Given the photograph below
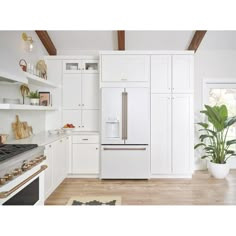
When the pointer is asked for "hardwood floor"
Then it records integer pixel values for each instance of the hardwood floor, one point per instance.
(200, 190)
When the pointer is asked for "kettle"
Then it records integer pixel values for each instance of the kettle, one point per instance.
(3, 138)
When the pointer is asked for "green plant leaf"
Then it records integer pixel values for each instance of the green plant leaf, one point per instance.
(204, 125)
(203, 157)
(230, 142)
(199, 144)
(230, 121)
(204, 136)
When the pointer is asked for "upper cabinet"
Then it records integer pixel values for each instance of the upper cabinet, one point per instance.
(161, 73)
(80, 66)
(125, 68)
(182, 73)
(172, 73)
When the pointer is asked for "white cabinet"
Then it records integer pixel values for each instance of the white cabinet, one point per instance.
(85, 155)
(90, 91)
(182, 73)
(59, 161)
(58, 156)
(182, 133)
(71, 91)
(85, 66)
(171, 134)
(172, 73)
(85, 159)
(81, 94)
(125, 68)
(161, 74)
(48, 179)
(171, 115)
(161, 134)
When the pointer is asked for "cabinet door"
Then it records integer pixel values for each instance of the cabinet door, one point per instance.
(72, 66)
(48, 178)
(90, 120)
(161, 134)
(161, 74)
(71, 91)
(182, 73)
(68, 155)
(89, 66)
(126, 68)
(58, 162)
(182, 133)
(85, 159)
(72, 117)
(90, 91)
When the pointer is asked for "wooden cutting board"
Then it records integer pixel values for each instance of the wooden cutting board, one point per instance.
(21, 129)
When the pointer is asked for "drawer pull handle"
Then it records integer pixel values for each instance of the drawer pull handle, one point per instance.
(85, 139)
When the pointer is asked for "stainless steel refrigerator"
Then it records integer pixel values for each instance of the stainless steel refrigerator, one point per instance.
(125, 133)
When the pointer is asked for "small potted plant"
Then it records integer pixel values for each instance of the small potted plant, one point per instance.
(214, 141)
(34, 98)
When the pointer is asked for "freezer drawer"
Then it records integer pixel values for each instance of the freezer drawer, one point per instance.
(125, 162)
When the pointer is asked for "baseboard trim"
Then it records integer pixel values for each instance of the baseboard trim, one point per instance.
(83, 176)
(184, 176)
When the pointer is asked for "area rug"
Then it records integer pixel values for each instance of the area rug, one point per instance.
(94, 200)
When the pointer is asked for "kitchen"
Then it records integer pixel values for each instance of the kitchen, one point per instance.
(97, 120)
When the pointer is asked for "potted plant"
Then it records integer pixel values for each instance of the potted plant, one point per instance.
(34, 98)
(214, 141)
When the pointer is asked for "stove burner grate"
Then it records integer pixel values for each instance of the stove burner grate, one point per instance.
(11, 150)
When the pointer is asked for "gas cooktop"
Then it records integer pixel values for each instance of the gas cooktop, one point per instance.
(11, 150)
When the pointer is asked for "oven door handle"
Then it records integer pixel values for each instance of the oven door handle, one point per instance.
(8, 193)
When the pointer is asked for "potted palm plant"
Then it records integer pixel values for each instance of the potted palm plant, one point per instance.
(34, 97)
(213, 139)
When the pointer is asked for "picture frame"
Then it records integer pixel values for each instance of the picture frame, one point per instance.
(44, 99)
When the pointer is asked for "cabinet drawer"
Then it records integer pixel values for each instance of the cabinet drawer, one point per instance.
(85, 139)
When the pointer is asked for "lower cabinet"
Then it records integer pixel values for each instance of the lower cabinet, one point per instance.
(57, 154)
(171, 134)
(85, 155)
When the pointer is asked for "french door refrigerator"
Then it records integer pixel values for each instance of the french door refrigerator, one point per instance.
(125, 133)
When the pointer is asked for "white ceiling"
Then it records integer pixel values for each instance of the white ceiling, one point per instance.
(70, 41)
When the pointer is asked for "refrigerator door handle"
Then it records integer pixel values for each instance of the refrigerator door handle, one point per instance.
(124, 115)
(124, 149)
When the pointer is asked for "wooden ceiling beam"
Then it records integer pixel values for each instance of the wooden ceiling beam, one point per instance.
(121, 39)
(197, 39)
(47, 42)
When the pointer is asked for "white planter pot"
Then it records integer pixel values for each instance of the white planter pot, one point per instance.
(34, 101)
(219, 171)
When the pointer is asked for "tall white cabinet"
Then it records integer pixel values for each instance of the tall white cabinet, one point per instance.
(80, 93)
(171, 115)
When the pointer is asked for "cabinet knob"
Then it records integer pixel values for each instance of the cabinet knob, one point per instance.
(50, 146)
(82, 126)
(82, 68)
(79, 105)
(61, 140)
(96, 148)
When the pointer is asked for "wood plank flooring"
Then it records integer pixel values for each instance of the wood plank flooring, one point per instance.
(200, 190)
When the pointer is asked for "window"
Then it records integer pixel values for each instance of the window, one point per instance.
(219, 92)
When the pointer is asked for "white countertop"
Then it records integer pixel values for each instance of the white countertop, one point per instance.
(44, 138)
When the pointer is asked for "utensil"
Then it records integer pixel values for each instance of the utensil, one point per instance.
(21, 129)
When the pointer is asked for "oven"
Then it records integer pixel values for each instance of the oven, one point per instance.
(22, 178)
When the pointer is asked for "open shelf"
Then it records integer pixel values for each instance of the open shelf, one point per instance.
(9, 78)
(25, 78)
(4, 106)
(33, 79)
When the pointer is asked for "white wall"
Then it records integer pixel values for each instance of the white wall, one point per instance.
(11, 51)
